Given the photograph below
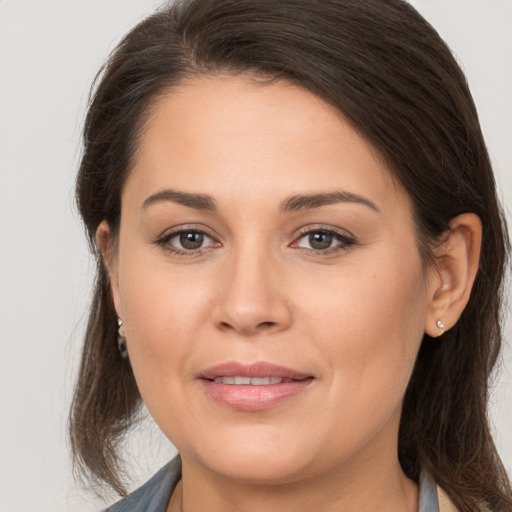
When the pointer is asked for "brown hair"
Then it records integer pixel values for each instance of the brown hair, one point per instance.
(388, 71)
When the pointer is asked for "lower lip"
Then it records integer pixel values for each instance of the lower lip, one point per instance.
(254, 398)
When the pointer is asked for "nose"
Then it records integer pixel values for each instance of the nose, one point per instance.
(251, 298)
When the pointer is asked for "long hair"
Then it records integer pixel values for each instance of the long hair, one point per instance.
(391, 75)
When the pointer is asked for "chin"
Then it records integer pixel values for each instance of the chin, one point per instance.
(262, 469)
(255, 459)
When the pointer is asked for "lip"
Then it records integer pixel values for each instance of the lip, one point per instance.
(258, 369)
(252, 398)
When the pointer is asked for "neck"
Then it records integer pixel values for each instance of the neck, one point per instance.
(378, 485)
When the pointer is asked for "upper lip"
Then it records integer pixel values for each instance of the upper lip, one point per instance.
(259, 369)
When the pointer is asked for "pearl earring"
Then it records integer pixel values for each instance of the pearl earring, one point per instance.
(121, 340)
(441, 326)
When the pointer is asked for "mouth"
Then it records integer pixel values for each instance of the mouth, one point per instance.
(251, 381)
(253, 387)
(240, 372)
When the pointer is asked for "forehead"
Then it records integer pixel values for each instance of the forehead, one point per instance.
(232, 134)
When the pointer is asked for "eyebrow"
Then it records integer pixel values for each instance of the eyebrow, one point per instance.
(291, 204)
(308, 202)
(197, 201)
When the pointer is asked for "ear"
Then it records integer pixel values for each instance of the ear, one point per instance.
(457, 258)
(107, 249)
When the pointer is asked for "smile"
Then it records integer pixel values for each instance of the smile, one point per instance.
(253, 387)
(250, 381)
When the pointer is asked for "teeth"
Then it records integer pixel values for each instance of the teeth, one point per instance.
(250, 381)
(261, 381)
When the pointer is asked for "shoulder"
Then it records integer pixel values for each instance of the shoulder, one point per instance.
(155, 494)
(431, 497)
(445, 504)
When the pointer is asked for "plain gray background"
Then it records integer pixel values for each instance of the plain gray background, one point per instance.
(49, 54)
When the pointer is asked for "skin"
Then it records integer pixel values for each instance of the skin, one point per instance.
(258, 290)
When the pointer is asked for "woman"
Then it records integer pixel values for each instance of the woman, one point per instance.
(300, 259)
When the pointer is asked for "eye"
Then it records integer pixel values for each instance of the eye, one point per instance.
(189, 240)
(186, 241)
(323, 240)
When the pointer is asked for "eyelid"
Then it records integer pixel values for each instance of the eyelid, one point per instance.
(326, 229)
(186, 227)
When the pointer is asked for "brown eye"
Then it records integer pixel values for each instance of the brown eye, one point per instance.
(186, 241)
(191, 240)
(324, 240)
(320, 241)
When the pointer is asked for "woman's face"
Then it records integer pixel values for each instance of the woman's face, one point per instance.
(268, 277)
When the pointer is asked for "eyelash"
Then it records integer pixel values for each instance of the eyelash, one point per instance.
(344, 241)
(164, 241)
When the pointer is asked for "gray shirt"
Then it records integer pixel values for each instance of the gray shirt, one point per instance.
(155, 494)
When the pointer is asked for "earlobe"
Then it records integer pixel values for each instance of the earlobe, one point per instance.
(106, 247)
(457, 264)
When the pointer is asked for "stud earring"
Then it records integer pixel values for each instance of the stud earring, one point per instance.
(441, 327)
(121, 340)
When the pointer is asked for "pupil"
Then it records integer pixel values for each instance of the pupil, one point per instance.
(320, 240)
(191, 240)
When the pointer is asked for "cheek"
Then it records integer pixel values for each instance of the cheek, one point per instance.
(161, 311)
(370, 325)
(164, 310)
(164, 316)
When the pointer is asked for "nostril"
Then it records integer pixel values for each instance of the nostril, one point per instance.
(266, 324)
(262, 326)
